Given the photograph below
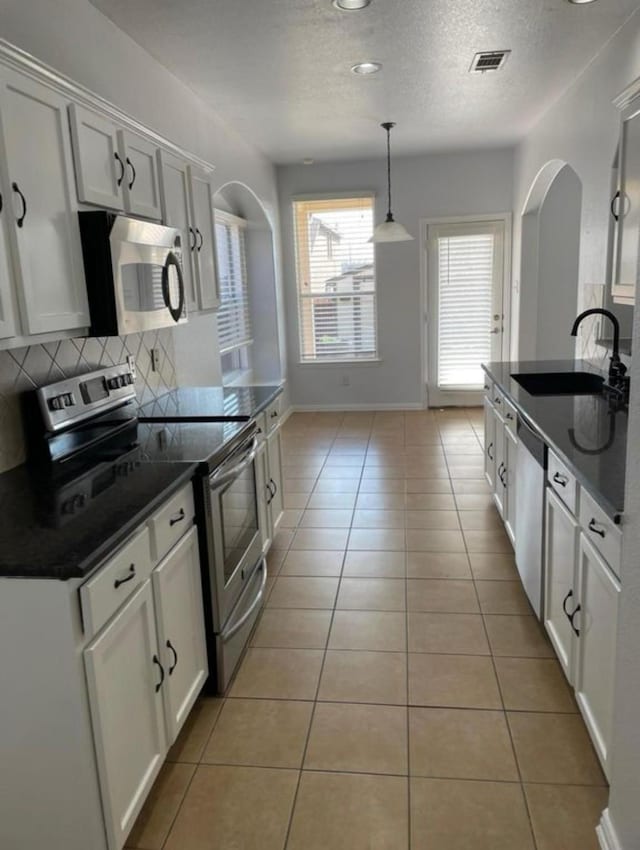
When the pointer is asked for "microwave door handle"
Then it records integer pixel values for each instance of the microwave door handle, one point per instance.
(226, 636)
(222, 477)
(172, 261)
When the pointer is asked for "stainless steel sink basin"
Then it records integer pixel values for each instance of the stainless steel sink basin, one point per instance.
(560, 383)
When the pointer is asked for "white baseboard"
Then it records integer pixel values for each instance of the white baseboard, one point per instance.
(370, 408)
(606, 833)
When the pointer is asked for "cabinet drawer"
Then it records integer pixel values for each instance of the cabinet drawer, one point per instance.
(562, 481)
(172, 520)
(273, 415)
(115, 581)
(510, 416)
(600, 531)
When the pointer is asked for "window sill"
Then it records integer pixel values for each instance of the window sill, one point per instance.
(337, 364)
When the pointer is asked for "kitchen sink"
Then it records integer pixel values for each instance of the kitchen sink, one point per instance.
(560, 383)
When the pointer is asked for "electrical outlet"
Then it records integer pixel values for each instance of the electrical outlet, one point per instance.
(346, 381)
(131, 363)
(155, 359)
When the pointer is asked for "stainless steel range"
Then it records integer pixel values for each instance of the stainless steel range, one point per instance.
(91, 434)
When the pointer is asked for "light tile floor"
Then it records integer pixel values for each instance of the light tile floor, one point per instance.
(397, 691)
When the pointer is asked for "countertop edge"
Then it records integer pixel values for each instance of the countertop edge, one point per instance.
(611, 510)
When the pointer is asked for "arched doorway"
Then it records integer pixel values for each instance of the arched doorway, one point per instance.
(549, 263)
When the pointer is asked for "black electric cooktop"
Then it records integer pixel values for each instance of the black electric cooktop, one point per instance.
(204, 404)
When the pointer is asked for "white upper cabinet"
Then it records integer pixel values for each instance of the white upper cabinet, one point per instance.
(177, 591)
(176, 212)
(141, 184)
(100, 170)
(8, 324)
(115, 168)
(203, 223)
(40, 200)
(625, 208)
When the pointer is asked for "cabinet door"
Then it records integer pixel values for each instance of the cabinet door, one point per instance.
(264, 497)
(8, 323)
(123, 676)
(627, 267)
(561, 588)
(509, 475)
(46, 236)
(499, 488)
(274, 452)
(141, 184)
(202, 216)
(597, 624)
(100, 170)
(174, 194)
(489, 444)
(177, 588)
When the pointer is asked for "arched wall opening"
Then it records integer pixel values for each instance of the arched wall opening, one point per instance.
(549, 263)
(265, 355)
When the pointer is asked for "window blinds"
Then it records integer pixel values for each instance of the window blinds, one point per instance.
(466, 269)
(336, 279)
(234, 324)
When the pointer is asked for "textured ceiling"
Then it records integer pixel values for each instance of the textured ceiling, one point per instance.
(278, 70)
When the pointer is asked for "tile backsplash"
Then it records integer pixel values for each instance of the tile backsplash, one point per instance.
(23, 369)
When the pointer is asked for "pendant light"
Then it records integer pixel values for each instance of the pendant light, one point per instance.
(390, 230)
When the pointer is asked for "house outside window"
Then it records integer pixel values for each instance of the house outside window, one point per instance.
(336, 280)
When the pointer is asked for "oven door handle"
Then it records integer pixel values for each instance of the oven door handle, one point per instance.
(220, 478)
(226, 636)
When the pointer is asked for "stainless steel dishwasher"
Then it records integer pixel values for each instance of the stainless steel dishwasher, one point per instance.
(531, 466)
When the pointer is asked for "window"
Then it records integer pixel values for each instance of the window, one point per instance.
(234, 324)
(466, 271)
(336, 279)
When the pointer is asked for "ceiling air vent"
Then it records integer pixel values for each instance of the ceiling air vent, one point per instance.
(492, 60)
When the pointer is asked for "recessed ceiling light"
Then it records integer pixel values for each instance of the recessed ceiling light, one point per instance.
(351, 5)
(364, 68)
(580, 2)
(307, 161)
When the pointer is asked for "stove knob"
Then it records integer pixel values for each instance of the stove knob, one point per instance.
(80, 500)
(56, 403)
(128, 378)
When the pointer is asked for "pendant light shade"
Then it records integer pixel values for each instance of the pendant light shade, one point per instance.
(390, 230)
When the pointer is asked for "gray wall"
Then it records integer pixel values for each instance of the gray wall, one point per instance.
(436, 185)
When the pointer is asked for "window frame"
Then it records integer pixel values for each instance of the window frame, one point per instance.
(350, 360)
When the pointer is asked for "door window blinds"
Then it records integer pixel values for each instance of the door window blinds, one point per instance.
(466, 271)
(234, 324)
(336, 279)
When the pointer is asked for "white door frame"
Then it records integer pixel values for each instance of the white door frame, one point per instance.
(471, 398)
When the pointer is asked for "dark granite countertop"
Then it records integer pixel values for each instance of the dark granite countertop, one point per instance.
(202, 404)
(583, 430)
(37, 540)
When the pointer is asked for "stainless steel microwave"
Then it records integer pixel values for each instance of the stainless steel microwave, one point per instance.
(133, 270)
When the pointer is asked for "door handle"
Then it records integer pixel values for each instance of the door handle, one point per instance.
(564, 604)
(593, 527)
(133, 173)
(23, 215)
(192, 246)
(562, 480)
(156, 660)
(573, 626)
(175, 657)
(489, 447)
(176, 518)
(119, 180)
(199, 232)
(132, 574)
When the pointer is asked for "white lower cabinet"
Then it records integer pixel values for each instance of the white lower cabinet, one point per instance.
(581, 618)
(499, 490)
(561, 580)
(510, 479)
(269, 484)
(177, 594)
(274, 452)
(124, 674)
(489, 444)
(145, 669)
(597, 623)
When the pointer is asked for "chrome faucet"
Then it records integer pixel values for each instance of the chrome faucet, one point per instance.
(618, 378)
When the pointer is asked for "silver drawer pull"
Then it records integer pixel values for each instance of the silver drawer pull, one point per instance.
(562, 480)
(176, 518)
(593, 526)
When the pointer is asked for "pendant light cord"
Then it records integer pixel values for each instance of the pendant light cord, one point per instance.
(387, 126)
